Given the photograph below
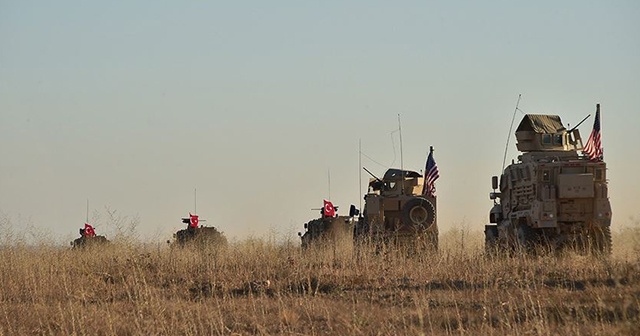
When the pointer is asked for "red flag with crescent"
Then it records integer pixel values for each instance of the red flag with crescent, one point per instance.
(329, 210)
(88, 230)
(194, 221)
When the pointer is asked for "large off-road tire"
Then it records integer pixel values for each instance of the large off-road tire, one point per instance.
(419, 212)
(490, 239)
(601, 240)
(525, 238)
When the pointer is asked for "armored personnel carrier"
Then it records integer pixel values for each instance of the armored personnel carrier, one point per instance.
(553, 195)
(88, 238)
(399, 211)
(197, 234)
(329, 228)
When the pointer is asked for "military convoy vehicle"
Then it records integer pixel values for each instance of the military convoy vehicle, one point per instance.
(196, 234)
(88, 238)
(552, 196)
(329, 229)
(398, 211)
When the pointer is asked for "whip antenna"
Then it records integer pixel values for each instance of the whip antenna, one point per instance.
(329, 180)
(87, 211)
(506, 147)
(400, 131)
(360, 171)
(401, 159)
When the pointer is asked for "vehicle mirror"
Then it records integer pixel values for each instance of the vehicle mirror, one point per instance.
(494, 182)
(353, 211)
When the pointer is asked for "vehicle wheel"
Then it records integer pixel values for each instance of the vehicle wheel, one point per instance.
(490, 239)
(601, 240)
(420, 212)
(525, 238)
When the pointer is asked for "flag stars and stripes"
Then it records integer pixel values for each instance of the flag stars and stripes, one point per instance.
(593, 148)
(431, 174)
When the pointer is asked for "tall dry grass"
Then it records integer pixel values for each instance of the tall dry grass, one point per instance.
(262, 287)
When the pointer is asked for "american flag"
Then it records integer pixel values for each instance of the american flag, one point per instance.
(431, 174)
(593, 148)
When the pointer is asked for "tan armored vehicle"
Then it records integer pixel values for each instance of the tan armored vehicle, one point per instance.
(397, 212)
(196, 234)
(329, 229)
(552, 195)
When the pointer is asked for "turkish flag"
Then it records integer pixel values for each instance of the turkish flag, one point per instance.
(329, 210)
(194, 221)
(89, 231)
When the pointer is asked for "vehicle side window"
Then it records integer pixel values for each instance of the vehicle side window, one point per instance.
(546, 139)
(557, 139)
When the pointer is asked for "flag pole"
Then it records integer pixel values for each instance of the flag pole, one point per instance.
(600, 122)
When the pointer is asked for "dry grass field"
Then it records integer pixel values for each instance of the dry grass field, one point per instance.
(260, 287)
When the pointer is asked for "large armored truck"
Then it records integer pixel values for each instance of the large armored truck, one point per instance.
(552, 196)
(396, 211)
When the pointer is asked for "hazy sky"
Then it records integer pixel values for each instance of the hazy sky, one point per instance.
(134, 104)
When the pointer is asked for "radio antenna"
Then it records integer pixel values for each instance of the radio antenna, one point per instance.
(195, 201)
(506, 147)
(400, 131)
(87, 211)
(329, 181)
(360, 172)
(401, 158)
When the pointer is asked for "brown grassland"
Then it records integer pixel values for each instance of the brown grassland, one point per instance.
(145, 289)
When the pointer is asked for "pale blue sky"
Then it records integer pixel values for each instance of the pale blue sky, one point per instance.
(135, 104)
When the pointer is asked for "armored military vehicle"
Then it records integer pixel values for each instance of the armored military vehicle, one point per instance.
(398, 211)
(329, 228)
(196, 234)
(553, 195)
(88, 238)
